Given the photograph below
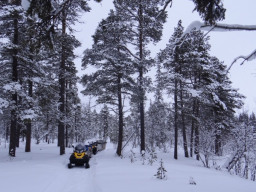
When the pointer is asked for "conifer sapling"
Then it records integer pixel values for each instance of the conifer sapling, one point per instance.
(161, 171)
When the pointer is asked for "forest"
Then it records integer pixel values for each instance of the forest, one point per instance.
(193, 108)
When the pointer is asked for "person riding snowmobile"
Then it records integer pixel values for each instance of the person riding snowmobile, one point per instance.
(79, 157)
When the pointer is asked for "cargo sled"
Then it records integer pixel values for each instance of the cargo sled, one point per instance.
(101, 145)
(91, 148)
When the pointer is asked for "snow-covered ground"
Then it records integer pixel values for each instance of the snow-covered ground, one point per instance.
(43, 170)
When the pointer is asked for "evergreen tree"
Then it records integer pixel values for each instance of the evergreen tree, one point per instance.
(157, 115)
(203, 96)
(104, 129)
(161, 171)
(113, 77)
(12, 17)
(145, 20)
(224, 100)
(173, 58)
(215, 100)
(53, 15)
(133, 123)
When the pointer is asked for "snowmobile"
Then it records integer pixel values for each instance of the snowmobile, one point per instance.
(94, 148)
(91, 148)
(79, 157)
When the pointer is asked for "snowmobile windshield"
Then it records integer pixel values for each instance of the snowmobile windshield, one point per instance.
(79, 148)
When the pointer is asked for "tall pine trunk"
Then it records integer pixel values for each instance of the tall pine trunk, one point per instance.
(141, 88)
(61, 125)
(192, 136)
(184, 133)
(67, 127)
(6, 132)
(192, 130)
(29, 123)
(218, 142)
(18, 128)
(120, 115)
(28, 136)
(197, 130)
(47, 128)
(19, 125)
(175, 119)
(12, 145)
(105, 125)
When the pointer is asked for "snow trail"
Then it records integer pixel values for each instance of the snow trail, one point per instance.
(44, 170)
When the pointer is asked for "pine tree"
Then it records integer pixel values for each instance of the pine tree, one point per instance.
(161, 171)
(173, 59)
(113, 79)
(203, 95)
(104, 130)
(53, 15)
(12, 15)
(215, 101)
(145, 20)
(157, 114)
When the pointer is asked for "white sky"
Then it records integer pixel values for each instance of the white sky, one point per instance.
(225, 45)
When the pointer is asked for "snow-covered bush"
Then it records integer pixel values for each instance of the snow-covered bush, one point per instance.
(161, 171)
(152, 157)
(3, 104)
(143, 157)
(206, 146)
(243, 146)
(132, 156)
(192, 181)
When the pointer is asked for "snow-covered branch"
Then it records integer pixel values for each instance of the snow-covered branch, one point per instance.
(223, 28)
(219, 27)
(249, 57)
(229, 27)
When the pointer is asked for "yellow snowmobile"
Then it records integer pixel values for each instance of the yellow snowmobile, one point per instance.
(79, 157)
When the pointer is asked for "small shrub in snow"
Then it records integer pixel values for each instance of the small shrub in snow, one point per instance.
(192, 181)
(216, 166)
(143, 157)
(253, 173)
(161, 171)
(132, 156)
(152, 157)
